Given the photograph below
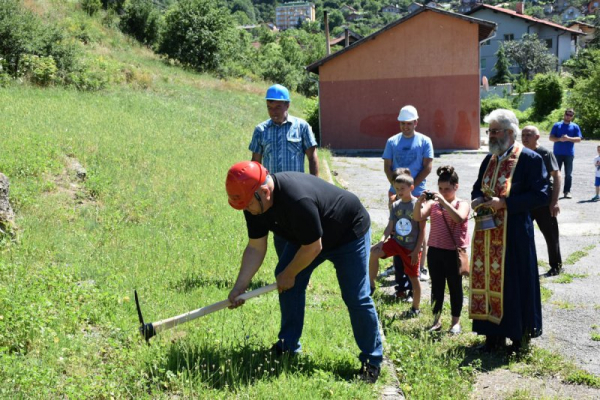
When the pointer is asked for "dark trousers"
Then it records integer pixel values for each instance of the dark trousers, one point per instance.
(549, 227)
(568, 161)
(443, 268)
(402, 280)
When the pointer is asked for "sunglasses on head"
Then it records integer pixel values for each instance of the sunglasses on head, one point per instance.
(569, 114)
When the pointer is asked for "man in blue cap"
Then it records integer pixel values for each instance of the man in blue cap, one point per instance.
(281, 142)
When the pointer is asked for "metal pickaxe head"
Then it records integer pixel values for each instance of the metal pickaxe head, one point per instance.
(146, 330)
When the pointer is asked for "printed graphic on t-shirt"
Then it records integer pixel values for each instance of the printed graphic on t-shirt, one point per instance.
(403, 227)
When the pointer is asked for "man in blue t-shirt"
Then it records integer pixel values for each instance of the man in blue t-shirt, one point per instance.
(564, 135)
(412, 150)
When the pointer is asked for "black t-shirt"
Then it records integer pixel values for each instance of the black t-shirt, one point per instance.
(306, 208)
(550, 163)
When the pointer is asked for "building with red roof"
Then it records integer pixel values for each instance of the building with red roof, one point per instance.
(512, 25)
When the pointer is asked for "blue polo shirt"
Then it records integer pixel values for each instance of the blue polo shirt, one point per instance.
(560, 129)
(283, 146)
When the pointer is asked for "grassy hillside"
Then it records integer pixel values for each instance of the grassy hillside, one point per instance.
(152, 216)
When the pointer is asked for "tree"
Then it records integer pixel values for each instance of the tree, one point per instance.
(503, 74)
(531, 55)
(582, 65)
(548, 94)
(195, 33)
(585, 98)
(141, 20)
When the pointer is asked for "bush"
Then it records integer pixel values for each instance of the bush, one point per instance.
(493, 102)
(141, 20)
(39, 70)
(91, 6)
(548, 94)
(312, 116)
(585, 99)
(193, 33)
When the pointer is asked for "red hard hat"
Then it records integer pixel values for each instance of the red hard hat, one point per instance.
(243, 179)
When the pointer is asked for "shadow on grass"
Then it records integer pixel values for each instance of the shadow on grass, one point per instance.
(191, 283)
(240, 366)
(482, 361)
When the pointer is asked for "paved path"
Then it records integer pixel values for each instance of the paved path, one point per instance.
(572, 314)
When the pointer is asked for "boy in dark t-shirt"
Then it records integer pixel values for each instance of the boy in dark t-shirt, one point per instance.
(403, 237)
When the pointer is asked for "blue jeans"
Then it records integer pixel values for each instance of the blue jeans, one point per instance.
(351, 262)
(568, 161)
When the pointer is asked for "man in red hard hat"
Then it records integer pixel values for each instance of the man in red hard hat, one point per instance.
(319, 222)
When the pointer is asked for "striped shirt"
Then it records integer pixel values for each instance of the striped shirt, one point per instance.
(438, 235)
(283, 146)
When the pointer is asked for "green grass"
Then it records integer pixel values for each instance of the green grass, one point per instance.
(154, 217)
(545, 293)
(568, 278)
(578, 255)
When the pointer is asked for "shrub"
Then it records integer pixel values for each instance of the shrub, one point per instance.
(141, 20)
(312, 116)
(548, 94)
(493, 102)
(193, 33)
(22, 33)
(39, 70)
(91, 6)
(585, 99)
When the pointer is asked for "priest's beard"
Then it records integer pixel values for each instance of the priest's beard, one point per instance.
(499, 145)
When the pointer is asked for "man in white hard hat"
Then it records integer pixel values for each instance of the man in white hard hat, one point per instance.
(413, 150)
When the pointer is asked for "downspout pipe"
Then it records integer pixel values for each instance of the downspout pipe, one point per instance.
(557, 45)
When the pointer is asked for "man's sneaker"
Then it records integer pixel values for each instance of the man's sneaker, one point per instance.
(424, 276)
(412, 313)
(279, 352)
(369, 373)
(595, 198)
(568, 195)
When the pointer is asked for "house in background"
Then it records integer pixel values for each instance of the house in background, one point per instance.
(341, 39)
(414, 7)
(570, 13)
(467, 5)
(390, 8)
(592, 6)
(429, 59)
(588, 30)
(287, 15)
(512, 25)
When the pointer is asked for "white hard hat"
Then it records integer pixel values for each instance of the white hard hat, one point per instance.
(408, 113)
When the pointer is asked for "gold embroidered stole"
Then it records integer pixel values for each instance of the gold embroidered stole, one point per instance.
(488, 247)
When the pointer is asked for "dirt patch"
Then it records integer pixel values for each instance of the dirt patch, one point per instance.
(70, 182)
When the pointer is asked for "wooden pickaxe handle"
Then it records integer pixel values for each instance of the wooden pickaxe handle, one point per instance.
(151, 329)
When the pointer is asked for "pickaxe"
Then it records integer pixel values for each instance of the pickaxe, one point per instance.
(149, 330)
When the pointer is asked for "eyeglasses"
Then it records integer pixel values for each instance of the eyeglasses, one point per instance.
(569, 114)
(494, 131)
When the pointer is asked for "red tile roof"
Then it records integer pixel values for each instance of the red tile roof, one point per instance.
(523, 16)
